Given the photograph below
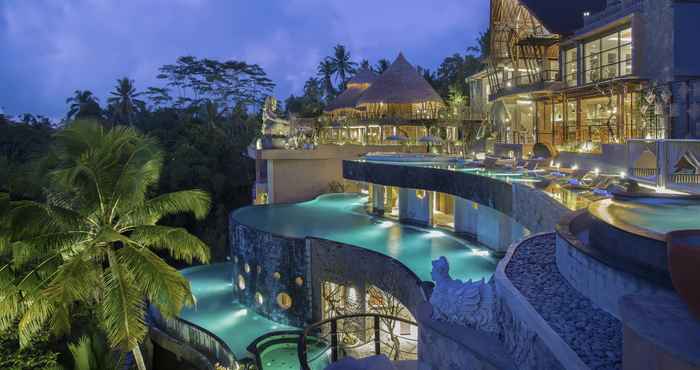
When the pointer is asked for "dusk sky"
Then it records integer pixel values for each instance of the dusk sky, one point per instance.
(49, 48)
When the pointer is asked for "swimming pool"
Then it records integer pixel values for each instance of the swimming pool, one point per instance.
(342, 218)
(651, 216)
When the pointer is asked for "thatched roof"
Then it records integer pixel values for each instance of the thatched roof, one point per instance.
(363, 76)
(400, 84)
(347, 100)
(356, 87)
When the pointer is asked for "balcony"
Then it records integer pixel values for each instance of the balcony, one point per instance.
(525, 83)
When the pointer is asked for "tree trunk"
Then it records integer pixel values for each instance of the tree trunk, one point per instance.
(138, 358)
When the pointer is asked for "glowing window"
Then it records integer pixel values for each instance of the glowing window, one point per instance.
(241, 282)
(235, 259)
(299, 281)
(277, 275)
(420, 194)
(259, 269)
(258, 298)
(246, 267)
(284, 301)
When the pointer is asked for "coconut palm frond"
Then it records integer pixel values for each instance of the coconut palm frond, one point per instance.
(179, 243)
(34, 318)
(197, 202)
(122, 307)
(163, 285)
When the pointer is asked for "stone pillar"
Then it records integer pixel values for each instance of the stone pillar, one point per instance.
(378, 199)
(415, 206)
(466, 217)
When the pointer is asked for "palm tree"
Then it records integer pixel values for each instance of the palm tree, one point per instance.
(382, 65)
(325, 72)
(83, 104)
(343, 66)
(93, 243)
(124, 101)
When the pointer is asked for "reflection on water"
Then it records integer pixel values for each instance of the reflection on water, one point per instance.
(342, 218)
(657, 215)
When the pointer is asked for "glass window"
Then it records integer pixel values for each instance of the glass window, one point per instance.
(571, 66)
(608, 57)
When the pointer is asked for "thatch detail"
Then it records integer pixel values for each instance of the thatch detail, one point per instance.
(355, 88)
(363, 77)
(400, 84)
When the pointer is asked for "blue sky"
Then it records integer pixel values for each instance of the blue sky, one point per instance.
(48, 48)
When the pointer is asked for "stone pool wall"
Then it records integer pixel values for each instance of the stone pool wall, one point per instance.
(272, 266)
(358, 267)
(298, 267)
(598, 277)
(530, 207)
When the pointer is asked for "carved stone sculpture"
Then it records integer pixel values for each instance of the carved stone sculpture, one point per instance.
(465, 303)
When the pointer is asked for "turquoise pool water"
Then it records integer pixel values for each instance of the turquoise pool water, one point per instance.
(217, 311)
(657, 215)
(235, 324)
(342, 218)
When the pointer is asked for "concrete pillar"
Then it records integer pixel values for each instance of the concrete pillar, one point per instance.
(466, 217)
(378, 199)
(416, 206)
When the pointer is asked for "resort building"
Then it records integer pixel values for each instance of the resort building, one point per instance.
(395, 112)
(586, 77)
(571, 244)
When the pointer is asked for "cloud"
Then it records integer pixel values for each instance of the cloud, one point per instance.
(50, 48)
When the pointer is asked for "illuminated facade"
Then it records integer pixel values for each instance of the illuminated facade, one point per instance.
(580, 75)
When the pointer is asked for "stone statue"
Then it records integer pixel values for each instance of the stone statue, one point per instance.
(275, 130)
(465, 303)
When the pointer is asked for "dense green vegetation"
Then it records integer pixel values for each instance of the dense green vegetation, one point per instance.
(334, 71)
(92, 243)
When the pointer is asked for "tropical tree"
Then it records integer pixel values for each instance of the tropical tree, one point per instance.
(211, 113)
(325, 72)
(83, 104)
(382, 65)
(343, 66)
(365, 65)
(93, 243)
(124, 101)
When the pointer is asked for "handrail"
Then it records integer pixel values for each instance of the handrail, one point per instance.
(257, 352)
(301, 347)
(229, 360)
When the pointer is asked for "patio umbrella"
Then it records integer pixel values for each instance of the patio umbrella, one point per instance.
(397, 138)
(430, 139)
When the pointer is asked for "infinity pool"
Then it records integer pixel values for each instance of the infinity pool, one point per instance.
(217, 311)
(656, 215)
(342, 218)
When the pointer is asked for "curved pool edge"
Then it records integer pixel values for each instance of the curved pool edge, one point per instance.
(599, 210)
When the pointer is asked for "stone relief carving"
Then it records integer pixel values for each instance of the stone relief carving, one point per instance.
(470, 303)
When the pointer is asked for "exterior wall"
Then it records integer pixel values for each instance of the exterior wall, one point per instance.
(685, 30)
(599, 282)
(415, 210)
(296, 180)
(487, 226)
(267, 254)
(531, 208)
(314, 261)
(300, 175)
(329, 262)
(611, 160)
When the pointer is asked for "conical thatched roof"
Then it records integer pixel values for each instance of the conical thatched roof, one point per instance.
(356, 87)
(363, 76)
(400, 84)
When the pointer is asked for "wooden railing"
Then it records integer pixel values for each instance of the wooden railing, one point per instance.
(202, 340)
